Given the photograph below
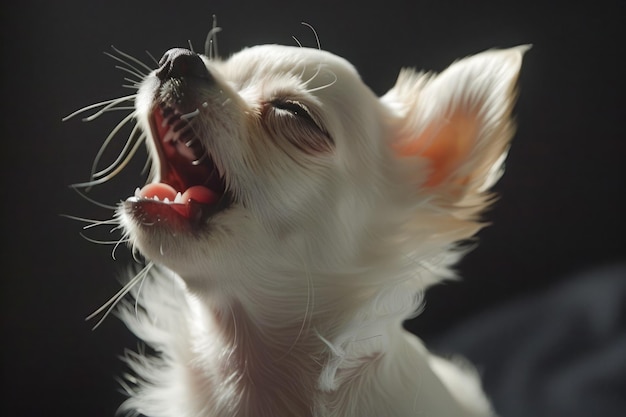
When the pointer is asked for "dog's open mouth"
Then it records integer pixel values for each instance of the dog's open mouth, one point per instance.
(191, 187)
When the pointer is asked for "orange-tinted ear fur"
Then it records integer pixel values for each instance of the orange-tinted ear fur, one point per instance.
(446, 146)
(459, 120)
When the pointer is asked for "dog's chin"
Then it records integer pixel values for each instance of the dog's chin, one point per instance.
(186, 238)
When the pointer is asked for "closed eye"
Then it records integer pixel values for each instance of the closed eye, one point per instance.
(295, 109)
(295, 122)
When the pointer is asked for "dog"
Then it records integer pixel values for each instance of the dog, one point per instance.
(292, 221)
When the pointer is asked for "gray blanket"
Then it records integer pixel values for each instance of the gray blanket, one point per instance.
(561, 353)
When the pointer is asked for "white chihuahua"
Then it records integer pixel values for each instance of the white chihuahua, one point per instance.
(293, 219)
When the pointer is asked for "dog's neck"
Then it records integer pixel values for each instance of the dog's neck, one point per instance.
(271, 365)
(256, 369)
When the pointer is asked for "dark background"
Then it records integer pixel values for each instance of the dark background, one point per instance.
(562, 197)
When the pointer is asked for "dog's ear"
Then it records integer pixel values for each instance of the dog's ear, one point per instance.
(460, 121)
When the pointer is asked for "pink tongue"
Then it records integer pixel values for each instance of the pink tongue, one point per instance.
(200, 194)
(197, 193)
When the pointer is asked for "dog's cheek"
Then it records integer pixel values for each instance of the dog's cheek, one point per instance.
(309, 141)
(291, 195)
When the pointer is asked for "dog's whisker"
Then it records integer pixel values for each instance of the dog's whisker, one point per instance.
(92, 222)
(107, 307)
(317, 39)
(322, 87)
(126, 154)
(190, 115)
(310, 299)
(105, 110)
(136, 306)
(106, 106)
(317, 72)
(77, 187)
(134, 84)
(210, 44)
(124, 239)
(100, 242)
(113, 172)
(235, 332)
(297, 41)
(201, 159)
(130, 71)
(147, 166)
(118, 227)
(106, 143)
(152, 58)
(191, 142)
(135, 60)
(136, 254)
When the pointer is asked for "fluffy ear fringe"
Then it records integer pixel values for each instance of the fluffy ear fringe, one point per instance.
(460, 122)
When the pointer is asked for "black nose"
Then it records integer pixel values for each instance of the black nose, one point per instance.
(180, 62)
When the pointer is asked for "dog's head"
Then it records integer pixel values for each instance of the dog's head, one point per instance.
(280, 161)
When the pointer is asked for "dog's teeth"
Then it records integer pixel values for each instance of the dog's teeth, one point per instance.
(156, 198)
(179, 198)
(166, 200)
(137, 192)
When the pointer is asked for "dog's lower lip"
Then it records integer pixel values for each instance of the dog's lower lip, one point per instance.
(177, 216)
(159, 203)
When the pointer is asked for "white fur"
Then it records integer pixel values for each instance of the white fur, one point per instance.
(290, 302)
